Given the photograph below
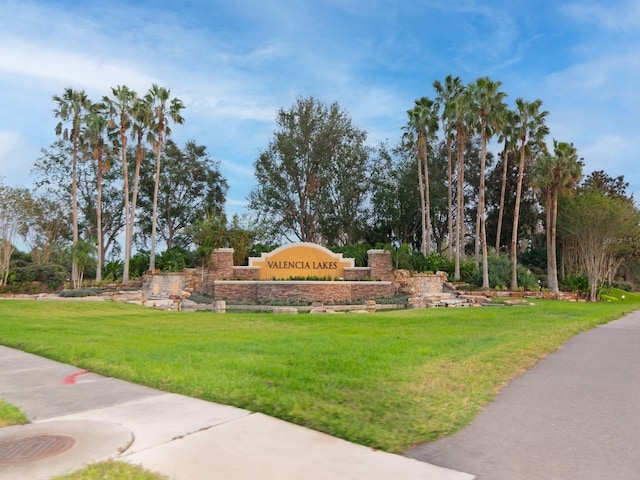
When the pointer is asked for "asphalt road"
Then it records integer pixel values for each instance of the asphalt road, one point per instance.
(576, 415)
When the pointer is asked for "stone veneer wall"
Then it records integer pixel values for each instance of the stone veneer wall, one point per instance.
(357, 273)
(166, 285)
(221, 264)
(427, 284)
(313, 291)
(228, 282)
(381, 265)
(246, 273)
(420, 283)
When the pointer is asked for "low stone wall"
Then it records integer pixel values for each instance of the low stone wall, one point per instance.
(166, 285)
(313, 291)
(420, 283)
(245, 273)
(372, 290)
(235, 290)
(357, 273)
(568, 296)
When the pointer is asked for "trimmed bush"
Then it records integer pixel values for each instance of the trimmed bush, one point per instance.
(53, 276)
(576, 283)
(500, 275)
(80, 292)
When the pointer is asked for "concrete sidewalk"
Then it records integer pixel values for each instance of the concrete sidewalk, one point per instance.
(80, 418)
(575, 415)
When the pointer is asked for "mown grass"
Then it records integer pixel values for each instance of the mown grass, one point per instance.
(11, 415)
(112, 470)
(389, 380)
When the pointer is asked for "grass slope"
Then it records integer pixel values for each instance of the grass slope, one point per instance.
(389, 380)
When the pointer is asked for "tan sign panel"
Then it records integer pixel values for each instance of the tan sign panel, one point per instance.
(301, 260)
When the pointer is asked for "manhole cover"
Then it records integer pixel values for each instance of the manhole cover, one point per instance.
(29, 449)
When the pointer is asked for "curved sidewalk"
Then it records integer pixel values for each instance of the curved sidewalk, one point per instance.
(576, 415)
(80, 417)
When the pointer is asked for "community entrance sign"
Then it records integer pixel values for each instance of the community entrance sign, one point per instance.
(301, 260)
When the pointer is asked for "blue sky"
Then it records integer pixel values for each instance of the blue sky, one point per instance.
(235, 63)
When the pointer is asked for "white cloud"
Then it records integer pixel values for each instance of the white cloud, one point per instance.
(621, 16)
(56, 66)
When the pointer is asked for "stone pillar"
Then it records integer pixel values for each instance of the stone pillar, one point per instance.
(220, 306)
(221, 264)
(381, 265)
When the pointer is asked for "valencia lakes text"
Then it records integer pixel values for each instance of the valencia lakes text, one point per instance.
(302, 265)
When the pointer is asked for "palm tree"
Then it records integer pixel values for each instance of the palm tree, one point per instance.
(141, 133)
(489, 108)
(459, 114)
(162, 110)
(72, 106)
(94, 133)
(553, 175)
(423, 121)
(529, 126)
(508, 138)
(120, 107)
(451, 88)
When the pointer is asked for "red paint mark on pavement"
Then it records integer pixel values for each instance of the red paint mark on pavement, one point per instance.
(71, 379)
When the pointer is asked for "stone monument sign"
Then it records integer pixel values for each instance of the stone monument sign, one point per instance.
(301, 260)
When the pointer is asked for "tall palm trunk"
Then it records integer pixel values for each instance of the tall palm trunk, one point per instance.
(427, 200)
(423, 209)
(460, 205)
(424, 194)
(503, 189)
(516, 218)
(74, 206)
(450, 195)
(552, 261)
(99, 218)
(476, 239)
(125, 175)
(134, 196)
(156, 187)
(481, 212)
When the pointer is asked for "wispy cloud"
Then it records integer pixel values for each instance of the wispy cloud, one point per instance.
(622, 15)
(54, 66)
(234, 64)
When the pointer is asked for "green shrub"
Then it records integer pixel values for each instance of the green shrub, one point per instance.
(113, 270)
(359, 252)
(576, 283)
(437, 263)
(201, 298)
(534, 257)
(139, 263)
(176, 259)
(53, 276)
(402, 257)
(500, 275)
(80, 292)
(467, 270)
(527, 280)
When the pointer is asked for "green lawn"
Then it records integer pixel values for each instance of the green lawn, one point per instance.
(388, 380)
(10, 415)
(111, 470)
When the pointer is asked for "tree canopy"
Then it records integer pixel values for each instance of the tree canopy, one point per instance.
(313, 176)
